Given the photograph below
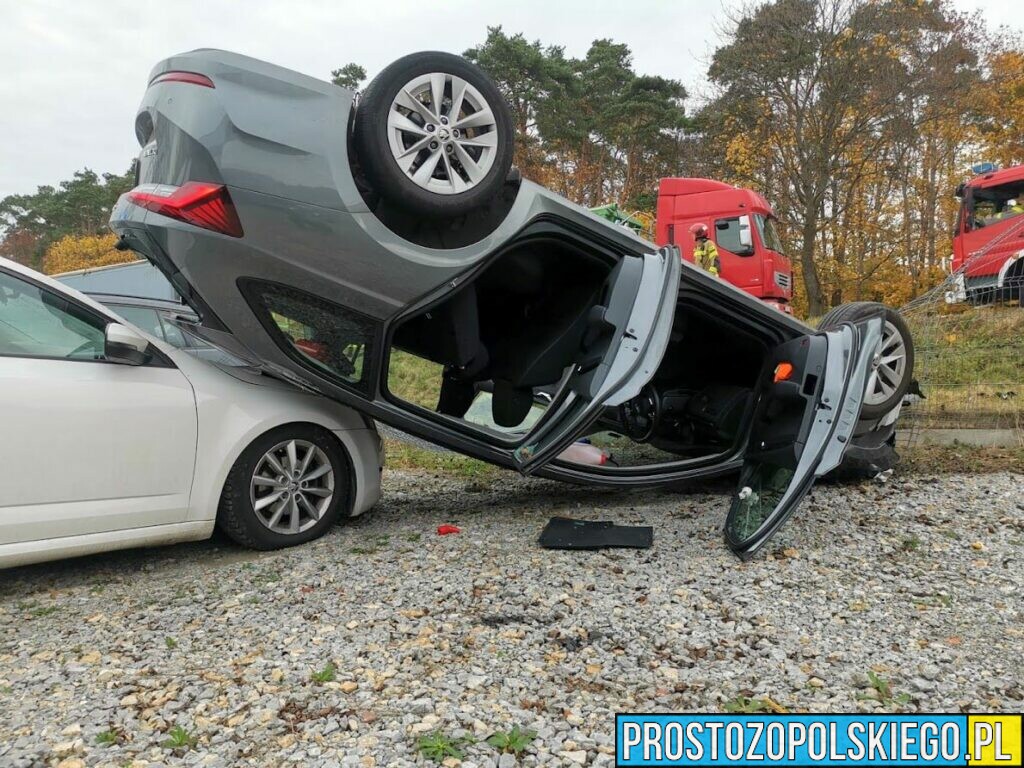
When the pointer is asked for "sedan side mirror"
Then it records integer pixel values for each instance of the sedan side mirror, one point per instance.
(124, 345)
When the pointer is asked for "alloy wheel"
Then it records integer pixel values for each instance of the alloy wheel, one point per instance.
(442, 133)
(889, 367)
(292, 487)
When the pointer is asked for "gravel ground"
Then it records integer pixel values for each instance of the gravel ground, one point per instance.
(918, 581)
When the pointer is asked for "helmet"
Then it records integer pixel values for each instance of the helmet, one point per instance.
(1011, 203)
(699, 230)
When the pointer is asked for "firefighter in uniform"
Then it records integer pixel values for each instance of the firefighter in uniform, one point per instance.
(705, 254)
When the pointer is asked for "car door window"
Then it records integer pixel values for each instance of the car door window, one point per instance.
(35, 322)
(172, 334)
(143, 318)
(326, 336)
(727, 235)
(153, 322)
(809, 404)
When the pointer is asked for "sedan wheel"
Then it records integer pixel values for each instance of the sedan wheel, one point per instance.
(433, 135)
(442, 133)
(292, 486)
(893, 366)
(888, 369)
(288, 487)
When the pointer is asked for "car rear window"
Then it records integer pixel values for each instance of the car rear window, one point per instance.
(322, 335)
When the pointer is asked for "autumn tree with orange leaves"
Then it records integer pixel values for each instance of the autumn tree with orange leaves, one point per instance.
(74, 252)
(849, 116)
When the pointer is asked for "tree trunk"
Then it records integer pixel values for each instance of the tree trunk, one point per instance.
(815, 303)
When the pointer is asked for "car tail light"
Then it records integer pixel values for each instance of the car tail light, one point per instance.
(194, 78)
(199, 203)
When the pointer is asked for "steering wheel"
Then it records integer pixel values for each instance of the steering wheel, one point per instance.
(639, 416)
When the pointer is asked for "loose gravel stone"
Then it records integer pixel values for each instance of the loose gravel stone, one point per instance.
(209, 655)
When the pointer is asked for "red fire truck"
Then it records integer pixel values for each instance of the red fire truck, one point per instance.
(988, 240)
(742, 225)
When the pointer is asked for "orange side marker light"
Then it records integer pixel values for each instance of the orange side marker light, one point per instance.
(783, 371)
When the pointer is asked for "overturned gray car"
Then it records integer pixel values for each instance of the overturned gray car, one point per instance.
(385, 254)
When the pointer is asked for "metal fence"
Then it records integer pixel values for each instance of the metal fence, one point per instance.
(969, 340)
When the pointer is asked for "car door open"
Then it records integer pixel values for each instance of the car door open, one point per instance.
(626, 338)
(808, 403)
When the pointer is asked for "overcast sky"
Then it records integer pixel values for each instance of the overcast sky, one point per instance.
(74, 70)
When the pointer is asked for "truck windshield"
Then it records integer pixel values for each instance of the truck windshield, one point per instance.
(990, 205)
(769, 234)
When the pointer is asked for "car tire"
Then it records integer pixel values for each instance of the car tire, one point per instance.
(886, 388)
(426, 167)
(246, 515)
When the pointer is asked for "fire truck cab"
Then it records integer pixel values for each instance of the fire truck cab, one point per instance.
(988, 239)
(742, 225)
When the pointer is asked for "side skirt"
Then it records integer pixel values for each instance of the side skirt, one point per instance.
(41, 550)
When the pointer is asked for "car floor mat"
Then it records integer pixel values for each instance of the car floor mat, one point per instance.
(566, 533)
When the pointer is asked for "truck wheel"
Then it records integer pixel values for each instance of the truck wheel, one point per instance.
(433, 135)
(893, 367)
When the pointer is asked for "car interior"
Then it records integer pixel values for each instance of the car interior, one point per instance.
(703, 391)
(494, 354)
(518, 325)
